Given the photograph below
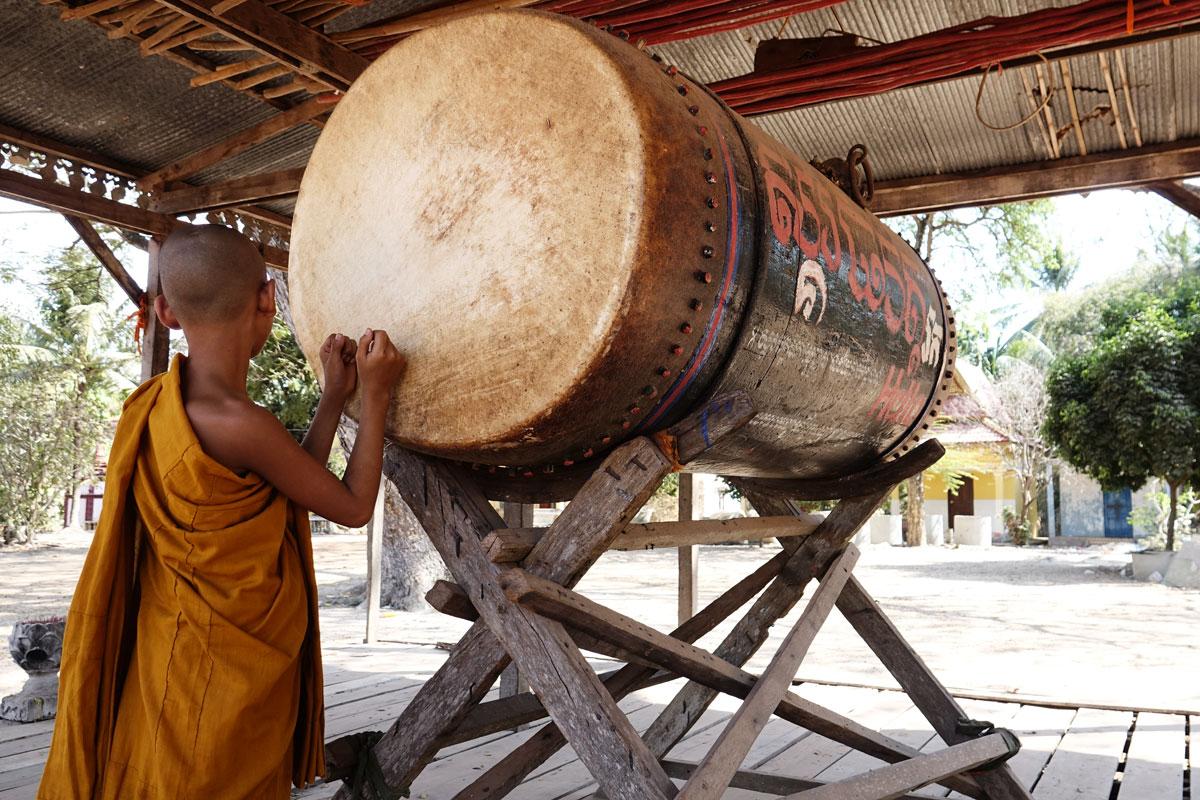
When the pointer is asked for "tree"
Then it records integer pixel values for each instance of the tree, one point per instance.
(61, 373)
(36, 422)
(1127, 409)
(1013, 238)
(1021, 392)
(281, 381)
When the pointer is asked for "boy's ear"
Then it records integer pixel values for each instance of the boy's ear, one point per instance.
(166, 315)
(266, 297)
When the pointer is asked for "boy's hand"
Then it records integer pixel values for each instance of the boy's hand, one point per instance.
(339, 365)
(380, 364)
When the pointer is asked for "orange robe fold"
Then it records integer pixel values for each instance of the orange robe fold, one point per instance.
(191, 666)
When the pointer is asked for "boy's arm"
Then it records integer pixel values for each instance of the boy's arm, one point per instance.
(258, 442)
(337, 362)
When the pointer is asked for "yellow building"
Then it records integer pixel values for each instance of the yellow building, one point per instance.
(976, 444)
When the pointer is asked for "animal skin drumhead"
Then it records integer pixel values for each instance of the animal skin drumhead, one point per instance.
(478, 194)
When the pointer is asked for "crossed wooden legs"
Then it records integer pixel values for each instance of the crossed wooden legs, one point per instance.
(531, 612)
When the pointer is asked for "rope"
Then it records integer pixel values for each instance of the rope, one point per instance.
(140, 317)
(1028, 117)
(670, 448)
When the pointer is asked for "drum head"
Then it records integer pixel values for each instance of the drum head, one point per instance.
(478, 194)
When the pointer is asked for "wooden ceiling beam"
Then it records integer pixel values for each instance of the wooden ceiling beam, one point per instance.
(1179, 193)
(229, 194)
(107, 258)
(66, 200)
(1115, 169)
(79, 155)
(238, 142)
(275, 34)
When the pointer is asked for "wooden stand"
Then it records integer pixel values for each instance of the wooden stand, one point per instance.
(517, 587)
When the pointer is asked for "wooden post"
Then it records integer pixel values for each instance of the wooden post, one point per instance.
(516, 515)
(689, 555)
(156, 341)
(375, 565)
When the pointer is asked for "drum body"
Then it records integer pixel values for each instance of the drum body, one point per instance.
(575, 244)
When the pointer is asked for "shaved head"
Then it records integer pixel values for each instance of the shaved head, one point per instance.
(209, 273)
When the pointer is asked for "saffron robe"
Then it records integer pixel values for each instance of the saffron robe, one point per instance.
(192, 661)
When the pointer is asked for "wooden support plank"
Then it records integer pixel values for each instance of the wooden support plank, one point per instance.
(510, 545)
(718, 767)
(1085, 762)
(509, 772)
(895, 780)
(1112, 99)
(1120, 168)
(755, 781)
(375, 564)
(919, 683)
(156, 342)
(66, 200)
(235, 192)
(238, 142)
(106, 257)
(1185, 196)
(554, 667)
(279, 36)
(688, 555)
(1156, 758)
(576, 539)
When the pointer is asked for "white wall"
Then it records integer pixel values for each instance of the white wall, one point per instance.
(1081, 503)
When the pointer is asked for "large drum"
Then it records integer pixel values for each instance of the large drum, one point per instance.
(575, 244)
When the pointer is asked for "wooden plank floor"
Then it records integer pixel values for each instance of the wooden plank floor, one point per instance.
(1067, 753)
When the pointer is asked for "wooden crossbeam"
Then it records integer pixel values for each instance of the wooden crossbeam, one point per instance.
(277, 35)
(66, 200)
(1179, 193)
(238, 142)
(511, 545)
(770, 783)
(1134, 167)
(721, 762)
(229, 194)
(895, 780)
(107, 258)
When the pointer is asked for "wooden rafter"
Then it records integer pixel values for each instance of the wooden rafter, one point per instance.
(107, 258)
(1179, 193)
(1123, 168)
(275, 34)
(229, 194)
(66, 200)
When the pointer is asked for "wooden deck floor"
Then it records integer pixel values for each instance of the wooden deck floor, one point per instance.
(1077, 753)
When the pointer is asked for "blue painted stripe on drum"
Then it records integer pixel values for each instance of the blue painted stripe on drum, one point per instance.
(715, 320)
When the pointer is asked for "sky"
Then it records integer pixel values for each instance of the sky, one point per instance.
(1107, 230)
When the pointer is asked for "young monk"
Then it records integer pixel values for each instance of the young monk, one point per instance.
(192, 662)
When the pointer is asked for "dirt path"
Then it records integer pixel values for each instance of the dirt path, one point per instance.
(1061, 623)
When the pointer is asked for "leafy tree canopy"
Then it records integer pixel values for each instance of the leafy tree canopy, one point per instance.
(1127, 408)
(281, 381)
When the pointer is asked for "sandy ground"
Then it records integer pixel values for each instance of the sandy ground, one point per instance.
(1056, 623)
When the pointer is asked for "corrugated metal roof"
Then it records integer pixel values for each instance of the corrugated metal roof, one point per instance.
(934, 129)
(70, 82)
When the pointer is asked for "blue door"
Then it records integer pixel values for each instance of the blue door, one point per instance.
(1117, 506)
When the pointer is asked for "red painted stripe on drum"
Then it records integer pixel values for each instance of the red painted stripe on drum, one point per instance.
(716, 318)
